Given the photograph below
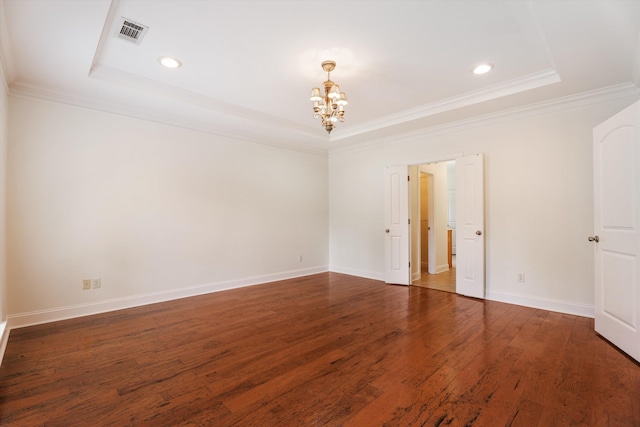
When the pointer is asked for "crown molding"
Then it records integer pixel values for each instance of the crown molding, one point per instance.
(257, 119)
(612, 93)
(566, 103)
(520, 84)
(33, 92)
(122, 78)
(510, 87)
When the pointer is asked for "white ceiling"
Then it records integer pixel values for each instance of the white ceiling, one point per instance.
(249, 66)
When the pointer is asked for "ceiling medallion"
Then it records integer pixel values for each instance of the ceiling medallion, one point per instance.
(330, 106)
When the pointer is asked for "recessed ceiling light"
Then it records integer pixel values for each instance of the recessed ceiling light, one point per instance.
(169, 62)
(483, 68)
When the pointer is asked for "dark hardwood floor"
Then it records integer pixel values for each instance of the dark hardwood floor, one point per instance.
(327, 349)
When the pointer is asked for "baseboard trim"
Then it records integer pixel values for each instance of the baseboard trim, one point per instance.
(442, 268)
(21, 320)
(559, 306)
(375, 275)
(4, 339)
(566, 307)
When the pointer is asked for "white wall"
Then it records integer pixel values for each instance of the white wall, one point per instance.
(4, 122)
(539, 204)
(157, 211)
(151, 210)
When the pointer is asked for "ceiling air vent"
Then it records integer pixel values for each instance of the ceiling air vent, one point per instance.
(130, 30)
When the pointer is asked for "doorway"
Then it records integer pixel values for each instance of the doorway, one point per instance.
(401, 242)
(435, 226)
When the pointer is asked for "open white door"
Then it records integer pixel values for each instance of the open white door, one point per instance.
(396, 216)
(616, 167)
(470, 226)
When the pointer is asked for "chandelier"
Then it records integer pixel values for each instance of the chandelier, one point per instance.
(330, 106)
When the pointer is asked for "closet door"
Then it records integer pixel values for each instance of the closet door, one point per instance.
(616, 155)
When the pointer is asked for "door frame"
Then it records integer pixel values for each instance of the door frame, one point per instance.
(431, 234)
(412, 163)
(418, 163)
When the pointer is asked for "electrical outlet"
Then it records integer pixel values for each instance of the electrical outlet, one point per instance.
(96, 283)
(300, 258)
(86, 284)
(521, 277)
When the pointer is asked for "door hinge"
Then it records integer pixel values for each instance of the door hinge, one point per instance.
(409, 264)
(408, 177)
(409, 221)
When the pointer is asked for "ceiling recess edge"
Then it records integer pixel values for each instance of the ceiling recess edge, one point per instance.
(570, 102)
(520, 84)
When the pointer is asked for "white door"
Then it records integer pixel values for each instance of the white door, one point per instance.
(616, 156)
(396, 216)
(470, 226)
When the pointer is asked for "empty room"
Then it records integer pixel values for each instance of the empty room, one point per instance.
(319, 213)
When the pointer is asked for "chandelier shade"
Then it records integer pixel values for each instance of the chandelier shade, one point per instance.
(330, 105)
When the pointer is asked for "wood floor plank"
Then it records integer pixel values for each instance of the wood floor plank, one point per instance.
(327, 349)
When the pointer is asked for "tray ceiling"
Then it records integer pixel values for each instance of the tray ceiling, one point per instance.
(248, 66)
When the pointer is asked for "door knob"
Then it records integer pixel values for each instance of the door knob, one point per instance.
(479, 233)
(594, 239)
(386, 231)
